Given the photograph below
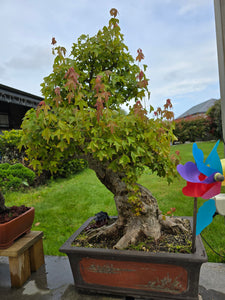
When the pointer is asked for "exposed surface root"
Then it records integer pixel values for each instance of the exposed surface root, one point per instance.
(175, 237)
(173, 225)
(104, 231)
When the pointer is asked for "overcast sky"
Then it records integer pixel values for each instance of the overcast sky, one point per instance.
(177, 38)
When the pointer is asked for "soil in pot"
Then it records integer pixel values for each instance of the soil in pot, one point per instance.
(168, 242)
(12, 213)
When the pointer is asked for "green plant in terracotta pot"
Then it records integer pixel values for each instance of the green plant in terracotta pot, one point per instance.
(14, 220)
(81, 117)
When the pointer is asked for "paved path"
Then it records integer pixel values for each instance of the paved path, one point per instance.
(54, 281)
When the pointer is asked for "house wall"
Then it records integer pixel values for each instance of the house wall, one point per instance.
(192, 117)
(11, 115)
(13, 106)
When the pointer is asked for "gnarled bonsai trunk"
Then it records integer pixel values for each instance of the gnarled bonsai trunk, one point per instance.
(149, 223)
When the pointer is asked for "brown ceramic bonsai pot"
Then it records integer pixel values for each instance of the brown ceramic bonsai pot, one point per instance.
(13, 229)
(135, 273)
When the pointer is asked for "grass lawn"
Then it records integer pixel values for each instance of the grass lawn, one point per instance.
(63, 205)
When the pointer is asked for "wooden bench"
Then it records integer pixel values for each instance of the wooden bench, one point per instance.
(26, 255)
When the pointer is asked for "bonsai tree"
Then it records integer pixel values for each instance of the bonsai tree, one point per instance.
(81, 117)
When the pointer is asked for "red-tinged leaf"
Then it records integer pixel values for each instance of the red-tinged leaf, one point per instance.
(113, 12)
(70, 96)
(140, 75)
(168, 104)
(140, 55)
(57, 91)
(71, 85)
(72, 77)
(38, 112)
(57, 100)
(41, 103)
(139, 110)
(99, 86)
(112, 126)
(169, 115)
(142, 84)
(106, 96)
(53, 41)
(100, 107)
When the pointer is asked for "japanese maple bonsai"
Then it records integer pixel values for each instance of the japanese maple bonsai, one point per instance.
(81, 117)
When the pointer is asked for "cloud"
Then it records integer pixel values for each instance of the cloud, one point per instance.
(2, 72)
(187, 7)
(177, 39)
(30, 58)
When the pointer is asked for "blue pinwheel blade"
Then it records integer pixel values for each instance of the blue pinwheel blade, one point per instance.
(203, 167)
(213, 159)
(205, 215)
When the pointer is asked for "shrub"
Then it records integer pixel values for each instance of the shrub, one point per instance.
(197, 129)
(70, 167)
(10, 154)
(15, 176)
(9, 141)
(215, 119)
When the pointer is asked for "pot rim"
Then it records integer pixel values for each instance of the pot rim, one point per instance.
(20, 216)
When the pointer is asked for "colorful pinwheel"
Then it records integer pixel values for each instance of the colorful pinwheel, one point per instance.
(204, 179)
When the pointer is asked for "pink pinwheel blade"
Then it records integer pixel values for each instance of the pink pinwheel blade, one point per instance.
(206, 191)
(215, 190)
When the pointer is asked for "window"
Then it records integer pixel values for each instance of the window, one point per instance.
(4, 120)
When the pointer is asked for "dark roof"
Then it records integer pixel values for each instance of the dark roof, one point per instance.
(11, 95)
(198, 109)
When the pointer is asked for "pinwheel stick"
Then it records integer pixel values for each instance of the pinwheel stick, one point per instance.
(194, 225)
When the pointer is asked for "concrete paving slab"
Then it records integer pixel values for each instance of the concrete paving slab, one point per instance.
(54, 281)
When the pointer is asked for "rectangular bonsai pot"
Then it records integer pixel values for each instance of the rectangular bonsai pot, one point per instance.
(135, 273)
(13, 229)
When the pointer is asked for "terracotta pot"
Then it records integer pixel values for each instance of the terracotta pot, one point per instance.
(135, 273)
(13, 229)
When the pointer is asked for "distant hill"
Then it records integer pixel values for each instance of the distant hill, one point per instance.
(198, 110)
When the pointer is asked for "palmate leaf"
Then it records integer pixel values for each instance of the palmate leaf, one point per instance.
(46, 133)
(124, 160)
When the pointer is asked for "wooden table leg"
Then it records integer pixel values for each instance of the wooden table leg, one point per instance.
(36, 256)
(20, 269)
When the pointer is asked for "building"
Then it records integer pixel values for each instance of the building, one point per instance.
(13, 106)
(198, 110)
